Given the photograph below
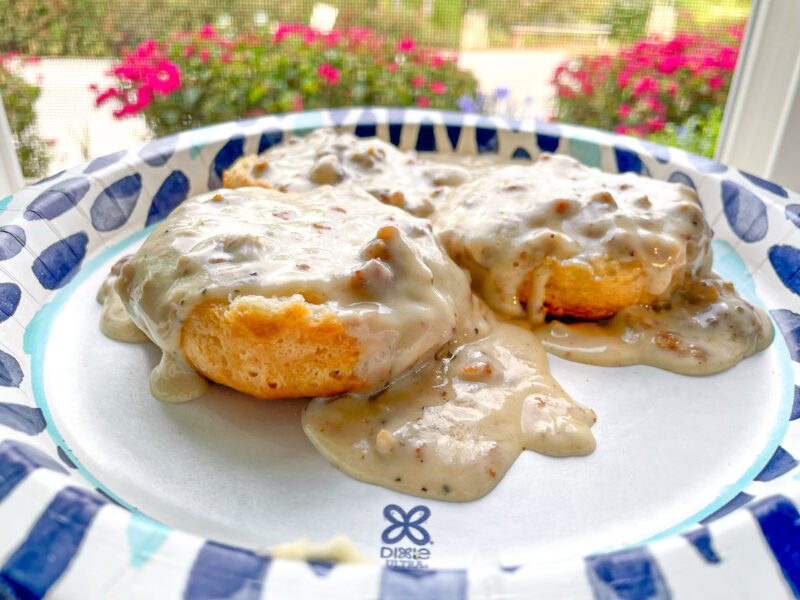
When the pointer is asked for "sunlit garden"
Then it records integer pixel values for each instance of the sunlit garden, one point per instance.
(657, 70)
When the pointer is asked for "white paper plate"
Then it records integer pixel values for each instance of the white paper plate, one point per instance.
(639, 518)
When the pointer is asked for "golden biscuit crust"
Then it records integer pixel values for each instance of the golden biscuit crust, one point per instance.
(272, 347)
(589, 291)
(241, 173)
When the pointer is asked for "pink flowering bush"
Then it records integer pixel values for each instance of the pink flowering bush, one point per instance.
(650, 84)
(202, 77)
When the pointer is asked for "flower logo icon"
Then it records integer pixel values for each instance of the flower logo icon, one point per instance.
(406, 524)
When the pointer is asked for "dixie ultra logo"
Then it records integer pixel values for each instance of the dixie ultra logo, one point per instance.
(405, 538)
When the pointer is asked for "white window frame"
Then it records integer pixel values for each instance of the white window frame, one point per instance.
(760, 130)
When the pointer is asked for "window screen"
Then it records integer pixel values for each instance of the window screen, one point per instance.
(82, 78)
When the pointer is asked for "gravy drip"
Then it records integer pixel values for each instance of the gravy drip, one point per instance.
(115, 322)
(706, 328)
(399, 294)
(506, 223)
(452, 428)
(325, 157)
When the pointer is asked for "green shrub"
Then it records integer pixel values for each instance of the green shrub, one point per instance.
(696, 134)
(18, 99)
(199, 78)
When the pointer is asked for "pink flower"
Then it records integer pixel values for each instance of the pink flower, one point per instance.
(655, 124)
(418, 81)
(329, 73)
(623, 79)
(645, 85)
(715, 82)
(671, 63)
(207, 32)
(204, 55)
(621, 129)
(406, 45)
(437, 87)
(188, 51)
(437, 60)
(423, 102)
(332, 38)
(109, 93)
(624, 110)
(587, 88)
(391, 67)
(225, 58)
(166, 78)
(654, 105)
(144, 95)
(672, 88)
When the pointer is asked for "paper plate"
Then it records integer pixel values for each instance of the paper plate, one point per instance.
(107, 493)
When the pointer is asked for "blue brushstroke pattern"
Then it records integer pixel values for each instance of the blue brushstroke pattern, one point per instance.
(158, 152)
(789, 325)
(269, 139)
(780, 524)
(10, 372)
(796, 404)
(17, 460)
(764, 184)
(786, 262)
(51, 544)
(395, 131)
(631, 574)
(59, 262)
(486, 140)
(521, 153)
(426, 139)
(321, 568)
(746, 212)
(115, 204)
(700, 538)
(781, 462)
(64, 458)
(422, 584)
(547, 143)
(170, 194)
(226, 156)
(58, 199)
(25, 419)
(104, 161)
(12, 240)
(366, 125)
(10, 295)
(793, 214)
(225, 573)
(453, 133)
(737, 501)
(680, 177)
(627, 160)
